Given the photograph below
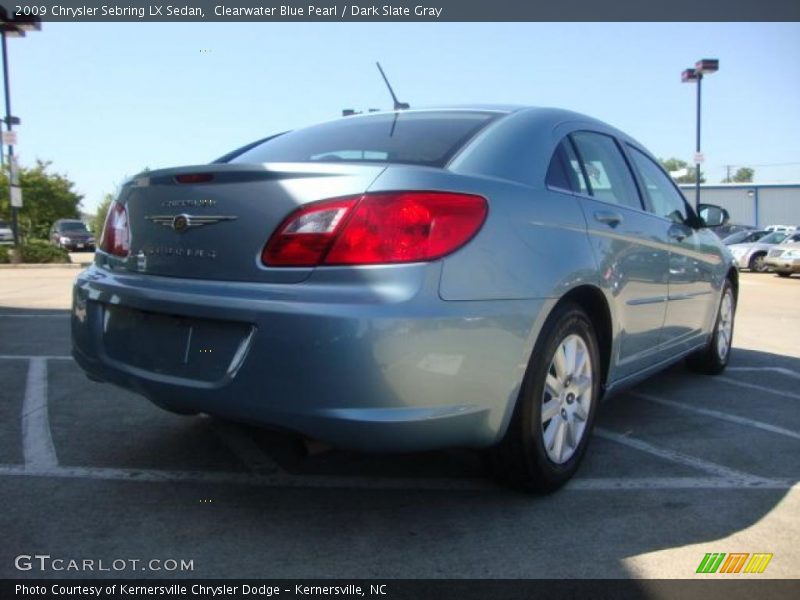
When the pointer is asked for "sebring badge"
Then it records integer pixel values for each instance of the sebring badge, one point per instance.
(181, 223)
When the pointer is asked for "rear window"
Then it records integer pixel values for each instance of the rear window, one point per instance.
(423, 138)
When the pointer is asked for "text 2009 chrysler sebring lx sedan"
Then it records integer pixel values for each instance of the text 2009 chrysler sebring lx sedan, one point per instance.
(453, 277)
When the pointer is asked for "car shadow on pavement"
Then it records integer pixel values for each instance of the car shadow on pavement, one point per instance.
(334, 516)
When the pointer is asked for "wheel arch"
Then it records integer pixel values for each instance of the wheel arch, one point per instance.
(593, 301)
(733, 276)
(752, 258)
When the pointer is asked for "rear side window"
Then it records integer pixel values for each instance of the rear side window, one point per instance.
(565, 171)
(665, 200)
(609, 177)
(416, 138)
(557, 174)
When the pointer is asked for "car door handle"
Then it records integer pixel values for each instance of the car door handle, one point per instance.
(610, 218)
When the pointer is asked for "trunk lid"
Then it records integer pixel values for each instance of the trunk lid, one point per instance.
(216, 228)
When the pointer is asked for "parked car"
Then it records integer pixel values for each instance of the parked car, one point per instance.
(745, 237)
(784, 259)
(724, 231)
(752, 256)
(72, 234)
(781, 228)
(412, 280)
(6, 234)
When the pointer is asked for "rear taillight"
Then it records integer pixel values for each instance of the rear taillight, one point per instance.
(116, 232)
(379, 228)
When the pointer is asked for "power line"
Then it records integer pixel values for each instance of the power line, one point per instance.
(789, 164)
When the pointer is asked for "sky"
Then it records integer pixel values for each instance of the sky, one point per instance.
(101, 101)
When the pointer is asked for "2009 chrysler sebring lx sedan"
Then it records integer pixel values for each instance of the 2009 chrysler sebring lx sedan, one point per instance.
(474, 277)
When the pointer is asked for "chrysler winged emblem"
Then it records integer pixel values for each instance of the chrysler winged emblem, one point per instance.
(184, 222)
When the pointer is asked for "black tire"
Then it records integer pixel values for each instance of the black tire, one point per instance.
(708, 361)
(757, 264)
(521, 460)
(784, 274)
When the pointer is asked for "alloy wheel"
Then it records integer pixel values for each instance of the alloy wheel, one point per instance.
(725, 326)
(566, 399)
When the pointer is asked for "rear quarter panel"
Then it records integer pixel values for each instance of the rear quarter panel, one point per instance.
(533, 243)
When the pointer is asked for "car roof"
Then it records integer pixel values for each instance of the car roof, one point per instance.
(511, 131)
(544, 113)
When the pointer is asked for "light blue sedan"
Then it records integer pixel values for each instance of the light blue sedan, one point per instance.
(412, 280)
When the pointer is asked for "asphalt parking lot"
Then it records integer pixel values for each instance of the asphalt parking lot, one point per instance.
(681, 466)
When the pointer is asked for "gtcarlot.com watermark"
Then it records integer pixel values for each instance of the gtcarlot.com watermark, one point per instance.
(46, 563)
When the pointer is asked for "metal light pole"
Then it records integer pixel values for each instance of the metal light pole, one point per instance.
(701, 67)
(14, 208)
(13, 28)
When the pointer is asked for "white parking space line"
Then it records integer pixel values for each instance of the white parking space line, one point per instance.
(718, 415)
(37, 442)
(760, 388)
(678, 457)
(284, 480)
(33, 357)
(677, 483)
(781, 370)
(41, 459)
(244, 447)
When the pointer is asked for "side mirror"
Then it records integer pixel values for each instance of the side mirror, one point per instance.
(713, 215)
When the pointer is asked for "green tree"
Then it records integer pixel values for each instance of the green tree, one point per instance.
(46, 197)
(742, 175)
(675, 164)
(99, 219)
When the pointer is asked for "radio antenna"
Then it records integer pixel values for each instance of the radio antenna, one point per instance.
(397, 104)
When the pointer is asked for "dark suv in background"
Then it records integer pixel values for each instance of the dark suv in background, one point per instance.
(72, 234)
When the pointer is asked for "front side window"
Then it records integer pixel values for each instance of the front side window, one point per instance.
(665, 200)
(609, 178)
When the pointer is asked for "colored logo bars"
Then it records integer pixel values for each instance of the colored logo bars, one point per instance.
(736, 562)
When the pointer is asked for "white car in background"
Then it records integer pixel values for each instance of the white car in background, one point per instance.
(781, 228)
(753, 256)
(6, 235)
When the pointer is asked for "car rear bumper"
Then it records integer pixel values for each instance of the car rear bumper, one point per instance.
(783, 265)
(73, 246)
(379, 362)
